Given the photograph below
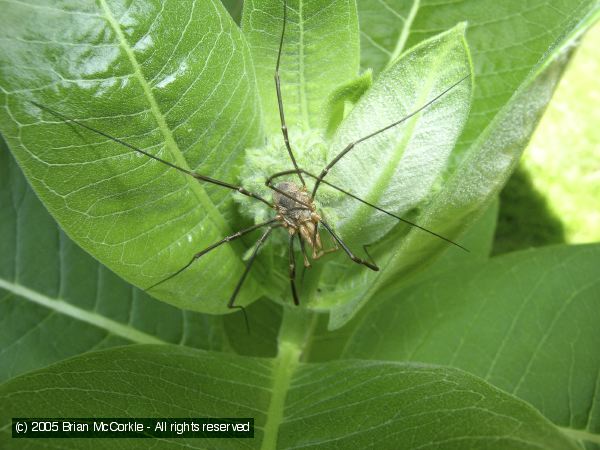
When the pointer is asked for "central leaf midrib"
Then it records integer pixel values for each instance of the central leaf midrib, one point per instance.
(405, 32)
(286, 364)
(171, 145)
(125, 331)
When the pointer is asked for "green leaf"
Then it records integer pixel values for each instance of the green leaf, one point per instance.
(384, 29)
(478, 240)
(294, 405)
(526, 322)
(320, 53)
(512, 47)
(188, 96)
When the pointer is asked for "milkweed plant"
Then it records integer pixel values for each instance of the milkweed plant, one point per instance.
(439, 348)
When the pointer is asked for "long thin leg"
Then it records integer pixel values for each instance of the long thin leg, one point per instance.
(350, 146)
(292, 271)
(408, 222)
(351, 255)
(195, 175)
(259, 244)
(284, 128)
(212, 247)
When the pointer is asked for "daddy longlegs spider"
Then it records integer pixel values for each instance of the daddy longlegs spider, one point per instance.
(295, 208)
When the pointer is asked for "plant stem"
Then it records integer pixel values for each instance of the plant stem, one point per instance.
(293, 334)
(295, 327)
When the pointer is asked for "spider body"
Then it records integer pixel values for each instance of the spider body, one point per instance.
(296, 212)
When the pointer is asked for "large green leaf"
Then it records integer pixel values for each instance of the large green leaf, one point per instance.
(294, 405)
(526, 322)
(173, 78)
(56, 301)
(320, 53)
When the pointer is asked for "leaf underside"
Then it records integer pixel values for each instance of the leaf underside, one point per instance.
(290, 404)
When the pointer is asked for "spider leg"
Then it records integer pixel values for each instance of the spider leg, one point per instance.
(212, 247)
(292, 271)
(351, 255)
(231, 303)
(284, 129)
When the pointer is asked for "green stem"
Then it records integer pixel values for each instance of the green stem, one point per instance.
(295, 327)
(293, 336)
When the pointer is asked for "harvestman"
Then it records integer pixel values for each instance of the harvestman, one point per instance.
(295, 208)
